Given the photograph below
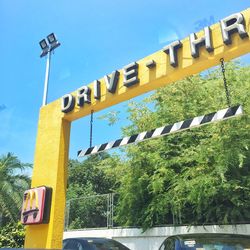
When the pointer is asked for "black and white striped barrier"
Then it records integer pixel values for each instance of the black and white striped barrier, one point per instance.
(165, 130)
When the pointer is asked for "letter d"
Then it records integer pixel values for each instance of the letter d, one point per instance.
(68, 103)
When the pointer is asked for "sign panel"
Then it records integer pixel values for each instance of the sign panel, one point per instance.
(36, 205)
(205, 47)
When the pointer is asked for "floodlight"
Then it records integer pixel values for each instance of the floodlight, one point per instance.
(53, 41)
(52, 38)
(43, 44)
(47, 46)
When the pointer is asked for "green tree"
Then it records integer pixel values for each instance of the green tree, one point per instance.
(194, 177)
(88, 183)
(12, 185)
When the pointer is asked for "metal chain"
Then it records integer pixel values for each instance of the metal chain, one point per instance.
(225, 82)
(91, 129)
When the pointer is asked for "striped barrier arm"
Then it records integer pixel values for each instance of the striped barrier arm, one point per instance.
(165, 130)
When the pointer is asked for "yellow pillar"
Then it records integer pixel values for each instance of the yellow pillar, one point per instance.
(50, 169)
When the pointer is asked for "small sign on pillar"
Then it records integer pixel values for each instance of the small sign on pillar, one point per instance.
(36, 205)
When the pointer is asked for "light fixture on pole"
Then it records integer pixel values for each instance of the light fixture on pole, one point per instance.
(47, 46)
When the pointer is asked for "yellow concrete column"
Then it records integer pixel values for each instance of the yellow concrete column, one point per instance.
(50, 169)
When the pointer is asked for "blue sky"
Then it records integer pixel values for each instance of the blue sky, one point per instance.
(97, 37)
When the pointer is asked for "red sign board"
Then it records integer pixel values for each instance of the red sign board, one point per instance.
(36, 205)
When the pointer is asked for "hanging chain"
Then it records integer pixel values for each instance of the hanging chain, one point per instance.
(91, 129)
(225, 82)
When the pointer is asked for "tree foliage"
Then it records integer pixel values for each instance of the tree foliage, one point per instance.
(198, 176)
(12, 185)
(89, 183)
(12, 235)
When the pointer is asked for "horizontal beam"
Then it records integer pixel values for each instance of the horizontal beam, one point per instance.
(166, 130)
(156, 70)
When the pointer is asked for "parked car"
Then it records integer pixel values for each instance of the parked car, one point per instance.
(92, 244)
(206, 241)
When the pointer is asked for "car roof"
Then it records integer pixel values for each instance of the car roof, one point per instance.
(89, 238)
(209, 235)
(93, 239)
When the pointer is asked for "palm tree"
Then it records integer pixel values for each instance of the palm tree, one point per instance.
(12, 185)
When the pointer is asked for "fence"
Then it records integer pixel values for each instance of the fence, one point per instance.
(90, 212)
(99, 211)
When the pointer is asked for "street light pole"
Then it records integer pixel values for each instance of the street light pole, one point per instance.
(46, 81)
(47, 46)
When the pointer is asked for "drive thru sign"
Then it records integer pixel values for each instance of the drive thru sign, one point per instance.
(228, 39)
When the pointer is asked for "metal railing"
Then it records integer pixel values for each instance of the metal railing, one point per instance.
(93, 211)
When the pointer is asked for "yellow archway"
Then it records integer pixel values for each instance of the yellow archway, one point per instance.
(186, 57)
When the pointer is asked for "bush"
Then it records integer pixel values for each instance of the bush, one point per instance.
(12, 235)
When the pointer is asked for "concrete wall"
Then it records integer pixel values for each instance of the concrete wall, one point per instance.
(152, 239)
